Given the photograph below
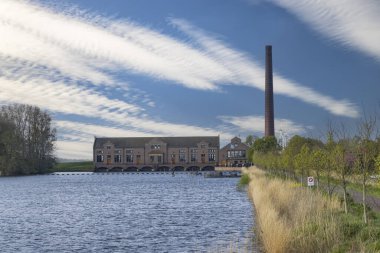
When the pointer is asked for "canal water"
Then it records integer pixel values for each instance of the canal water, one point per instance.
(89, 212)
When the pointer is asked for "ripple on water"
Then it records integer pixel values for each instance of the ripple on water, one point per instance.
(123, 213)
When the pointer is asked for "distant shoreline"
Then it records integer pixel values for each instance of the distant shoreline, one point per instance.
(86, 166)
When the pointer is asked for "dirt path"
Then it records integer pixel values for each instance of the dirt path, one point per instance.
(372, 202)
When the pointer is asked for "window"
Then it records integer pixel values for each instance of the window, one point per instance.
(236, 154)
(99, 158)
(108, 147)
(193, 155)
(159, 159)
(155, 146)
(151, 159)
(129, 156)
(117, 158)
(100, 152)
(117, 151)
(182, 157)
(211, 155)
(203, 146)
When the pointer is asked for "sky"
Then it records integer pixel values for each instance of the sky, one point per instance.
(127, 68)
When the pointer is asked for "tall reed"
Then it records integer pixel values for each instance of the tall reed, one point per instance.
(291, 218)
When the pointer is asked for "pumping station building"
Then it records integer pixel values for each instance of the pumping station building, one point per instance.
(156, 153)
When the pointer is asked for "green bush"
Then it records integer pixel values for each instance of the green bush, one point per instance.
(244, 180)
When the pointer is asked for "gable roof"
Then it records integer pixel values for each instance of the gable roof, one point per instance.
(138, 142)
(240, 146)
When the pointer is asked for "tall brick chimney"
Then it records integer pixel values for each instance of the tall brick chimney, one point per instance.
(269, 108)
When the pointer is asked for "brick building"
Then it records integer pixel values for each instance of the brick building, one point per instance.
(156, 153)
(234, 153)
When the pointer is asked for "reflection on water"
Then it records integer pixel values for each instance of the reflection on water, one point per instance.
(123, 213)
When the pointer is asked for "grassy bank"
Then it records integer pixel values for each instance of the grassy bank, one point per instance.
(73, 167)
(353, 183)
(292, 218)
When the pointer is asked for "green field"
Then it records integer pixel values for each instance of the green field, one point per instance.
(73, 167)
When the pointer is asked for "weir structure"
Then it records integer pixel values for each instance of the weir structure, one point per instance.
(269, 108)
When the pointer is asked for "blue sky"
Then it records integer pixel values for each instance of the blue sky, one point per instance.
(163, 67)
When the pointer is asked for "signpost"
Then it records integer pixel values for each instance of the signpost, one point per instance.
(310, 181)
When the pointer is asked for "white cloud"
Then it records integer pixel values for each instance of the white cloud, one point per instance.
(351, 22)
(74, 149)
(244, 71)
(63, 98)
(77, 139)
(73, 133)
(134, 127)
(86, 132)
(256, 124)
(87, 47)
(60, 61)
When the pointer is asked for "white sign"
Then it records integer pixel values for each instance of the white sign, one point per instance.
(310, 181)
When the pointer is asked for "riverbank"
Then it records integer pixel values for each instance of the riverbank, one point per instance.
(292, 218)
(73, 167)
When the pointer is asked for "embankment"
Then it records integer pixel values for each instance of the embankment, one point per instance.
(292, 218)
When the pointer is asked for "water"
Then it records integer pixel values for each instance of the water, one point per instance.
(123, 213)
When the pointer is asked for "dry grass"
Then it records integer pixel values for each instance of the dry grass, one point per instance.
(291, 218)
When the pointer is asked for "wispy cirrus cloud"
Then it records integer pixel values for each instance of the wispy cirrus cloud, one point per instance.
(353, 23)
(94, 43)
(245, 71)
(70, 99)
(256, 124)
(63, 98)
(97, 44)
(63, 61)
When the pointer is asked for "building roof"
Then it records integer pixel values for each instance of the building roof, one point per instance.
(236, 144)
(138, 142)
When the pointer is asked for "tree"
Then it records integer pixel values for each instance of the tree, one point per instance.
(250, 154)
(317, 158)
(7, 160)
(342, 162)
(377, 163)
(297, 142)
(365, 155)
(28, 147)
(302, 162)
(250, 139)
(266, 144)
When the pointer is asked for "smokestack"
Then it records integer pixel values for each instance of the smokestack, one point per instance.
(269, 110)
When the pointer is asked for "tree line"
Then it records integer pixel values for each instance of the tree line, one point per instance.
(335, 159)
(26, 140)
